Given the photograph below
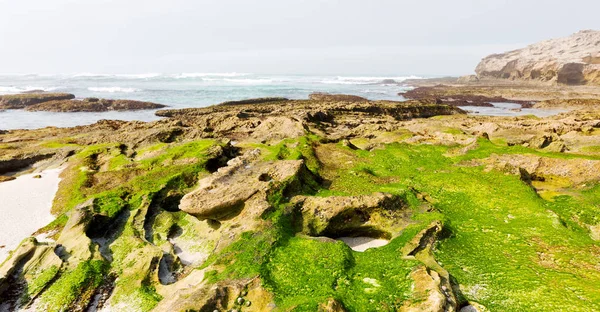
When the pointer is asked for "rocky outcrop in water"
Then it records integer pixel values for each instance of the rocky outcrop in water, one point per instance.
(573, 60)
(20, 101)
(65, 102)
(93, 105)
(448, 96)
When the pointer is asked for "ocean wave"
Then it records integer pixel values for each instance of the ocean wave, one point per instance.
(366, 80)
(126, 76)
(113, 89)
(374, 91)
(247, 81)
(202, 75)
(14, 90)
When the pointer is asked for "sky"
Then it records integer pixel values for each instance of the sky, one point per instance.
(360, 37)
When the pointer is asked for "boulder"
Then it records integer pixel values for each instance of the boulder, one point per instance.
(374, 215)
(224, 193)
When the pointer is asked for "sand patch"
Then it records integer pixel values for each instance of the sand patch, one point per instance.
(25, 205)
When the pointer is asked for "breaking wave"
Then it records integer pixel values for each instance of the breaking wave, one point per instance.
(113, 89)
(202, 75)
(14, 90)
(367, 80)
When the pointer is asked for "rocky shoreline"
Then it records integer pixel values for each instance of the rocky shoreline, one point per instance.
(333, 203)
(242, 206)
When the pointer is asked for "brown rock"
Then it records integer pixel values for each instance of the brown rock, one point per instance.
(225, 192)
(426, 291)
(320, 96)
(18, 101)
(92, 105)
(6, 178)
(331, 305)
(338, 216)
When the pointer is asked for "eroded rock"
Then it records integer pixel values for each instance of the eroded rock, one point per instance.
(224, 193)
(377, 215)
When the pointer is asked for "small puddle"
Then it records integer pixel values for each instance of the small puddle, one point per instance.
(361, 244)
(511, 109)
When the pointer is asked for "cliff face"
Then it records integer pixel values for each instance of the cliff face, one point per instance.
(573, 60)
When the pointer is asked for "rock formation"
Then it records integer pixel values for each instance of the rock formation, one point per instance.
(92, 105)
(65, 102)
(19, 101)
(573, 60)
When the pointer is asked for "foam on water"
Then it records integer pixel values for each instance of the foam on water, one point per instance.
(15, 90)
(113, 89)
(366, 80)
(511, 110)
(201, 75)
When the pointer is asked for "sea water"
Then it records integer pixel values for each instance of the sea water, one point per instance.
(179, 91)
(185, 90)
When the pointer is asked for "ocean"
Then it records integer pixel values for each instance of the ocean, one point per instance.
(180, 91)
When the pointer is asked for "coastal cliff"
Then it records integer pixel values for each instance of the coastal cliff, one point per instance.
(573, 60)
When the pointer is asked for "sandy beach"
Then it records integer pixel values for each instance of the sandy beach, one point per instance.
(25, 207)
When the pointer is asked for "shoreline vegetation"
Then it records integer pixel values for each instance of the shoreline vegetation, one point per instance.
(247, 205)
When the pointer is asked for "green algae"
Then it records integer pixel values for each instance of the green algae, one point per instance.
(41, 280)
(74, 285)
(507, 247)
(501, 229)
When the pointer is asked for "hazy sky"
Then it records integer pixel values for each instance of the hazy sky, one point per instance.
(375, 37)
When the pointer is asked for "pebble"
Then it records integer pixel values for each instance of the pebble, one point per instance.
(240, 300)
